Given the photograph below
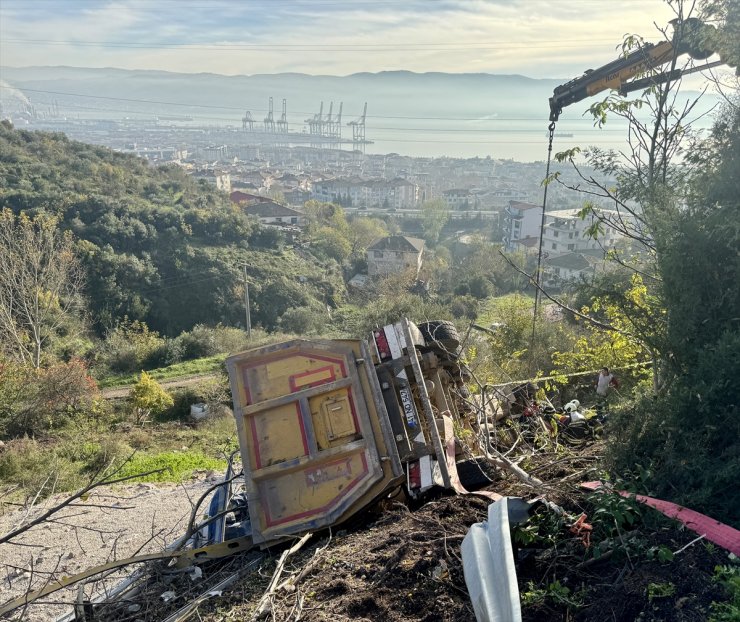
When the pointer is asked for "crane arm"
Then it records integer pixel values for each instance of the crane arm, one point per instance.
(691, 37)
(611, 76)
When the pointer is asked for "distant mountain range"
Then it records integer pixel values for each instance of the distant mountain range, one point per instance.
(389, 93)
(416, 113)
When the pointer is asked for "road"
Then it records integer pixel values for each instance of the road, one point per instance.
(120, 392)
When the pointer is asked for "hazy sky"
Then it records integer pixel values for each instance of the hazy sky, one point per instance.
(536, 38)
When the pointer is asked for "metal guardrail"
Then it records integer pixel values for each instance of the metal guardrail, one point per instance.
(488, 565)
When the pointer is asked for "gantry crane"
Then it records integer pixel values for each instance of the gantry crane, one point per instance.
(358, 130)
(282, 124)
(248, 121)
(270, 119)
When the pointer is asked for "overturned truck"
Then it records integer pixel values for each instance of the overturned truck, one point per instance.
(327, 427)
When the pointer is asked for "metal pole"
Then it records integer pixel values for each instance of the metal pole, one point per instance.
(246, 303)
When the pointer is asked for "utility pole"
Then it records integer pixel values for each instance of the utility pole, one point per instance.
(246, 303)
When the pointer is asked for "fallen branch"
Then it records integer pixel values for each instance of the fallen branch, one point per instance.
(501, 461)
(694, 541)
(69, 500)
(290, 584)
(265, 605)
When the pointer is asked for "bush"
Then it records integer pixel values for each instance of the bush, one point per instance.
(690, 434)
(267, 237)
(230, 340)
(33, 401)
(32, 465)
(204, 341)
(131, 346)
(198, 343)
(214, 392)
(149, 398)
(302, 321)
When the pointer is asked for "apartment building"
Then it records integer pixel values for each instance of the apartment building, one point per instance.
(394, 254)
(566, 232)
(521, 221)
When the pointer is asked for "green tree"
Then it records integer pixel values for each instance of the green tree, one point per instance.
(675, 197)
(332, 243)
(689, 432)
(148, 398)
(434, 216)
(40, 283)
(364, 231)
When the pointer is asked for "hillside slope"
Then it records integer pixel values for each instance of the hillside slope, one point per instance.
(157, 245)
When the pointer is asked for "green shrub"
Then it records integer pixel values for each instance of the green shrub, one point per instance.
(182, 400)
(34, 401)
(36, 468)
(131, 346)
(212, 391)
(302, 321)
(689, 434)
(149, 398)
(197, 343)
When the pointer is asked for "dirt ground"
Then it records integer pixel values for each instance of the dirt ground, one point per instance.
(401, 561)
(110, 524)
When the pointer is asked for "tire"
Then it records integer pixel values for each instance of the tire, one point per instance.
(575, 434)
(441, 334)
(476, 473)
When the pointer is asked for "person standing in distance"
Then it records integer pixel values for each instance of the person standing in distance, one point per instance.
(605, 381)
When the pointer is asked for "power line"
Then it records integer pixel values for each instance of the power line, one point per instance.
(277, 47)
(152, 113)
(241, 109)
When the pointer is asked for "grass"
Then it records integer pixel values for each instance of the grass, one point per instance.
(173, 466)
(196, 367)
(68, 461)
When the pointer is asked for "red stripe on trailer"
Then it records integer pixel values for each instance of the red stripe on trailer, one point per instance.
(720, 534)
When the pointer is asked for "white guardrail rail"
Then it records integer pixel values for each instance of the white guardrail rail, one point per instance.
(488, 565)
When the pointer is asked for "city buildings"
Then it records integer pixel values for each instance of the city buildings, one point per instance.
(566, 232)
(358, 192)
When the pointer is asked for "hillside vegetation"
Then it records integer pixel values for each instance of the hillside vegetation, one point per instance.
(157, 246)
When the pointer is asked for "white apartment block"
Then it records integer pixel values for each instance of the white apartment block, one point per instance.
(521, 221)
(357, 192)
(565, 232)
(460, 199)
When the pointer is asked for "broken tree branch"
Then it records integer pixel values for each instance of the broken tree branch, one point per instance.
(265, 605)
(560, 303)
(79, 494)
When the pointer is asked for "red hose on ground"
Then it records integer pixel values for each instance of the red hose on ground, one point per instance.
(720, 534)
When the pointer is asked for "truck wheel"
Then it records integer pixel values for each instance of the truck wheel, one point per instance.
(440, 334)
(476, 473)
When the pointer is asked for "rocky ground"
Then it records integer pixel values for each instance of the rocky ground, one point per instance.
(110, 524)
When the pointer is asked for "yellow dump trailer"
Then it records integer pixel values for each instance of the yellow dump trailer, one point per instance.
(326, 427)
(315, 438)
